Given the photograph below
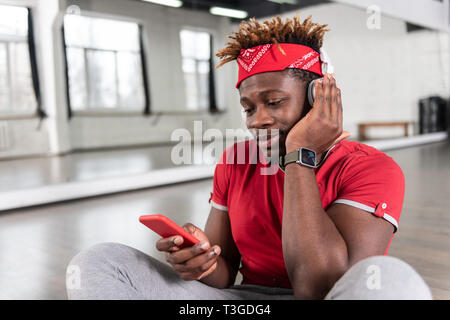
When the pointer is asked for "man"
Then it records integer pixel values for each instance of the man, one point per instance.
(316, 229)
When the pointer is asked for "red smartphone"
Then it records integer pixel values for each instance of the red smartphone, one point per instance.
(167, 228)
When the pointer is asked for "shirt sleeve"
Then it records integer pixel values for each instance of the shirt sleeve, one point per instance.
(374, 183)
(219, 196)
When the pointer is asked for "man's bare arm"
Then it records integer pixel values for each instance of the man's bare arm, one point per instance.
(218, 231)
(319, 246)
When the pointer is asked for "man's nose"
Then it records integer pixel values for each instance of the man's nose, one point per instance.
(261, 119)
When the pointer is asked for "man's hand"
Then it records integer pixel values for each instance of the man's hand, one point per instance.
(193, 263)
(321, 128)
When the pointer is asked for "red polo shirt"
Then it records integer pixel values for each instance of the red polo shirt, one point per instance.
(353, 174)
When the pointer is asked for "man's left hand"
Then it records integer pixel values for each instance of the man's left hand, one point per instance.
(321, 128)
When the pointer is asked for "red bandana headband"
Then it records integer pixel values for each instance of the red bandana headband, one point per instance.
(268, 57)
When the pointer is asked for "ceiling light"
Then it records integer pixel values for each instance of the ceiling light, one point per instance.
(284, 1)
(232, 13)
(169, 3)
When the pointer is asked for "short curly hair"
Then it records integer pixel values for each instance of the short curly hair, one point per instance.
(251, 33)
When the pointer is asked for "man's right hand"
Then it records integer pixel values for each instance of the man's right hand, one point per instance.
(192, 263)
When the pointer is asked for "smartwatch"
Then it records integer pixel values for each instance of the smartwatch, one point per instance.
(303, 156)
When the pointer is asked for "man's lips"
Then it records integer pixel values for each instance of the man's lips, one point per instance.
(268, 137)
(270, 140)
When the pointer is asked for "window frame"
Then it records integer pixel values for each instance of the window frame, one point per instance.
(117, 111)
(212, 108)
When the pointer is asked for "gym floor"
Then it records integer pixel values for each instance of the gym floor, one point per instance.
(37, 243)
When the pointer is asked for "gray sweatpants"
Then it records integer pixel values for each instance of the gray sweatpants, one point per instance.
(116, 271)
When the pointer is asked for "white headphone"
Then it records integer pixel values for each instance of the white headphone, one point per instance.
(327, 67)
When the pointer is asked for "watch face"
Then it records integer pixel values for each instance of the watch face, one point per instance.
(308, 157)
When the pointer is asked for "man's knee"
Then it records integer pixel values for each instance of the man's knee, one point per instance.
(96, 255)
(91, 267)
(380, 277)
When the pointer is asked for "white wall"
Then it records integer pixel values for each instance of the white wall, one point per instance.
(429, 13)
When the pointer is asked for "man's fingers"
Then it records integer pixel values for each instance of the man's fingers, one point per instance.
(339, 106)
(189, 227)
(186, 254)
(319, 97)
(334, 104)
(169, 244)
(199, 264)
(203, 271)
(327, 93)
(195, 231)
(339, 97)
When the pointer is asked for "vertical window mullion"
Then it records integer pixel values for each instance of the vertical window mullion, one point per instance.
(11, 101)
(34, 66)
(87, 79)
(197, 82)
(145, 80)
(211, 82)
(66, 69)
(118, 98)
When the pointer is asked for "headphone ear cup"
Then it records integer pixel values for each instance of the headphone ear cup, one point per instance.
(311, 93)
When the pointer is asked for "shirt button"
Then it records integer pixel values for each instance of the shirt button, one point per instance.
(384, 206)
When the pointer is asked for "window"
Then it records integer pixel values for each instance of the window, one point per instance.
(196, 63)
(17, 90)
(105, 67)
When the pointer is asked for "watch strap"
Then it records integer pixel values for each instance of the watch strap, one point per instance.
(291, 157)
(296, 156)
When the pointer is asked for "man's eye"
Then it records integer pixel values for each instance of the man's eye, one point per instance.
(274, 102)
(247, 111)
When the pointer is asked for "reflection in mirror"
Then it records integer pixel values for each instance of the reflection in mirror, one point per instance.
(385, 68)
(196, 60)
(104, 64)
(16, 86)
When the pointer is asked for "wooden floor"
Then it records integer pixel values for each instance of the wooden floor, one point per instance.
(36, 244)
(423, 239)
